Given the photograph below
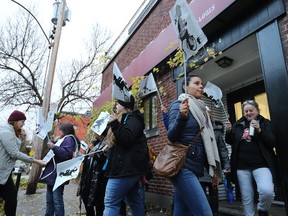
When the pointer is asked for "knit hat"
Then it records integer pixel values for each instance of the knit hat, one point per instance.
(16, 116)
(129, 105)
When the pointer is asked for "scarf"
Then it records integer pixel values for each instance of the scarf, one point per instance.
(198, 110)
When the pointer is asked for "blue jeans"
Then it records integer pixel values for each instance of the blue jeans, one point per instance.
(119, 189)
(189, 197)
(54, 201)
(265, 189)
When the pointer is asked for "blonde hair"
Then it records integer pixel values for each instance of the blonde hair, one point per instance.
(110, 136)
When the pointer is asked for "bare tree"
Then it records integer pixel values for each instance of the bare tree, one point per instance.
(23, 53)
(80, 84)
(23, 58)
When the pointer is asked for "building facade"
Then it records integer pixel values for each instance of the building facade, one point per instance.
(79, 122)
(253, 36)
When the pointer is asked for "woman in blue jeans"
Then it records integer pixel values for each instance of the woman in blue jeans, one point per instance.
(186, 116)
(127, 159)
(63, 149)
(253, 157)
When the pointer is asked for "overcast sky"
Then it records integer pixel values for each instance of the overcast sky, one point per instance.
(111, 14)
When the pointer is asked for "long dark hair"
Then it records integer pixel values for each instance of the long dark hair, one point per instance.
(68, 129)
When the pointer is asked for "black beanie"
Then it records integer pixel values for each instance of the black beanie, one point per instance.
(16, 116)
(129, 105)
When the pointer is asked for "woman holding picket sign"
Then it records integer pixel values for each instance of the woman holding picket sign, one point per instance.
(127, 159)
(187, 117)
(64, 149)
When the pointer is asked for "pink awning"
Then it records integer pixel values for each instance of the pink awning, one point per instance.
(156, 51)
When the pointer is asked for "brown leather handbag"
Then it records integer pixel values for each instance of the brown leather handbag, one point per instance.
(172, 158)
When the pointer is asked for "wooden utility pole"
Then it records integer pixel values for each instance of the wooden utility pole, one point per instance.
(38, 143)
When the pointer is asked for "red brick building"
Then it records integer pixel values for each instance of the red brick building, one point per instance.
(79, 122)
(253, 35)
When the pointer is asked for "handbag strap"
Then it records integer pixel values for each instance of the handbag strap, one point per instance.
(196, 137)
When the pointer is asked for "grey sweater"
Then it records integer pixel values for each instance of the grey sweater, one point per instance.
(9, 152)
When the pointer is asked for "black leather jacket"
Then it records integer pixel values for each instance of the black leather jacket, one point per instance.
(93, 175)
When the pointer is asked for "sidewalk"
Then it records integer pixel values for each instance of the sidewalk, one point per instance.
(34, 205)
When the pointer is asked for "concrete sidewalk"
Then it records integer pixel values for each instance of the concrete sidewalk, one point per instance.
(34, 205)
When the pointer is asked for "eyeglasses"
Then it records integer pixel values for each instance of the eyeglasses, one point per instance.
(251, 102)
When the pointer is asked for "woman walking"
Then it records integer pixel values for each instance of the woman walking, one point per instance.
(127, 159)
(253, 157)
(187, 116)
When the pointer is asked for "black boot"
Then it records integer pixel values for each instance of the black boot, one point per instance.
(262, 213)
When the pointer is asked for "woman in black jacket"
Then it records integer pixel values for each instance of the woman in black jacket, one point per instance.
(127, 159)
(93, 180)
(253, 156)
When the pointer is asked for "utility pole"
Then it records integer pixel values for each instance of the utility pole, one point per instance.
(39, 143)
(52, 65)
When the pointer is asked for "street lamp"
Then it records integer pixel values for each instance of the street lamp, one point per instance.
(56, 14)
(35, 20)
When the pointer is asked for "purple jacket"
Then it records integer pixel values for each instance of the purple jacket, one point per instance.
(62, 153)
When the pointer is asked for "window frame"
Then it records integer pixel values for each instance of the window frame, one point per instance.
(151, 131)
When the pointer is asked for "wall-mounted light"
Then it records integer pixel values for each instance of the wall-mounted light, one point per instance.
(224, 62)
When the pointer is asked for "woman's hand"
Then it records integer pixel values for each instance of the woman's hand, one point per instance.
(50, 145)
(228, 126)
(226, 171)
(255, 124)
(40, 162)
(184, 108)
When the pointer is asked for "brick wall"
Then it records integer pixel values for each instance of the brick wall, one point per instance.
(159, 184)
(283, 26)
(157, 21)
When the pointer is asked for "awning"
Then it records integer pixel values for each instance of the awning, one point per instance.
(157, 50)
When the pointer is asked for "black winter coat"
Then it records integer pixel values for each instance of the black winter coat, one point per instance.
(93, 178)
(265, 139)
(129, 154)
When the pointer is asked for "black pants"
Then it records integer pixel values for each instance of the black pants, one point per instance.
(9, 194)
(89, 209)
(212, 196)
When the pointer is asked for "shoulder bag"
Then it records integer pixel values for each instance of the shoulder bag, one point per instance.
(172, 158)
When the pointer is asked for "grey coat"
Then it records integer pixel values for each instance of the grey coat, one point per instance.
(9, 152)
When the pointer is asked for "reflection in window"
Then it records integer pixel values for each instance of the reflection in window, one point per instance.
(261, 99)
(150, 112)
